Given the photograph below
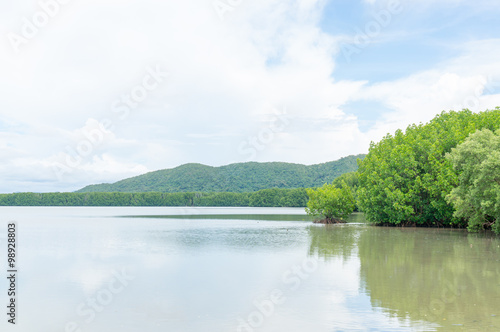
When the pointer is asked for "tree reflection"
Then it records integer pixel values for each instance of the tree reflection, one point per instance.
(328, 241)
(442, 276)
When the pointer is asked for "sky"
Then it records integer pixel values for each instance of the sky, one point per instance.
(97, 91)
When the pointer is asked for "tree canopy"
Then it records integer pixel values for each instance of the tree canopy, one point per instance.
(477, 197)
(332, 203)
(406, 177)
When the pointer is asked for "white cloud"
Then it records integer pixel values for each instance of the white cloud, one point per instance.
(225, 79)
(467, 81)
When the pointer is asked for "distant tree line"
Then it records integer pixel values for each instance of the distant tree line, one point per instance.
(273, 197)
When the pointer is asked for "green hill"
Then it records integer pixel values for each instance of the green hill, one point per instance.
(240, 177)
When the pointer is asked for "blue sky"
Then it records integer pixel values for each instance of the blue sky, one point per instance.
(97, 91)
(417, 39)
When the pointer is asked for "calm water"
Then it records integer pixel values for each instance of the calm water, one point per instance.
(244, 269)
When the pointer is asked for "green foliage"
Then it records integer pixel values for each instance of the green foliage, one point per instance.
(278, 197)
(241, 177)
(352, 181)
(405, 177)
(267, 197)
(330, 202)
(477, 197)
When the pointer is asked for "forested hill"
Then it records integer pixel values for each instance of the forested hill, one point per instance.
(240, 177)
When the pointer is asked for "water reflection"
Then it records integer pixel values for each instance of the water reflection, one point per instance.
(442, 276)
(329, 241)
(205, 274)
(431, 279)
(198, 236)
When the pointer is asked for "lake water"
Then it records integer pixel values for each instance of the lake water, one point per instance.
(243, 269)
